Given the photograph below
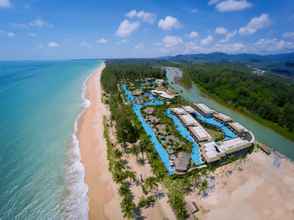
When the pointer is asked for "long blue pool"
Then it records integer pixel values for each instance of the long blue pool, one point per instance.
(196, 154)
(137, 110)
(228, 133)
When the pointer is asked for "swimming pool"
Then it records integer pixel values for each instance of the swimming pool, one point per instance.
(196, 154)
(137, 110)
(228, 133)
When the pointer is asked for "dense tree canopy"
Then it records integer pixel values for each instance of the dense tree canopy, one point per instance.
(270, 97)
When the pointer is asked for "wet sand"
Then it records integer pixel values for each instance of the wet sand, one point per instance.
(104, 202)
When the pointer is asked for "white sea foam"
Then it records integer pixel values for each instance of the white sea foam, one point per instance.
(76, 202)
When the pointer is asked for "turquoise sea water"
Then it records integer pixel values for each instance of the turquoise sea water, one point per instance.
(41, 176)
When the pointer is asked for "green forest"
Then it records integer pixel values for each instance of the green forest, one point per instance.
(267, 96)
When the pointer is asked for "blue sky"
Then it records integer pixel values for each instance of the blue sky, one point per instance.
(55, 29)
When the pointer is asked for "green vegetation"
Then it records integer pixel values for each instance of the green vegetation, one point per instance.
(126, 121)
(266, 96)
(120, 175)
(146, 202)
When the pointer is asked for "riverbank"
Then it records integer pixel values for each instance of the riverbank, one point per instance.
(103, 199)
(282, 131)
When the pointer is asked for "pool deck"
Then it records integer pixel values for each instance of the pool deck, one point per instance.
(180, 127)
(148, 129)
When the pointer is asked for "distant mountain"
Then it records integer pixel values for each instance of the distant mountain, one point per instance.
(282, 64)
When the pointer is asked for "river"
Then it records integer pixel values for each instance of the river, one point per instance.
(262, 133)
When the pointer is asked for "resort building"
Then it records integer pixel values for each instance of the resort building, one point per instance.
(213, 151)
(189, 109)
(178, 111)
(163, 94)
(182, 162)
(204, 109)
(200, 133)
(236, 126)
(222, 117)
(233, 145)
(188, 120)
(210, 152)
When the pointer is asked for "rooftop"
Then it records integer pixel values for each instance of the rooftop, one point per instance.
(200, 133)
(188, 120)
(222, 117)
(237, 127)
(189, 109)
(178, 111)
(163, 94)
(204, 108)
(182, 161)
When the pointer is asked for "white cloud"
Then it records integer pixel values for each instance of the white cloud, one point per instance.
(40, 23)
(255, 24)
(224, 32)
(289, 35)
(5, 3)
(193, 34)
(206, 41)
(169, 23)
(230, 5)
(230, 47)
(171, 41)
(126, 28)
(274, 44)
(53, 44)
(221, 30)
(143, 15)
(102, 41)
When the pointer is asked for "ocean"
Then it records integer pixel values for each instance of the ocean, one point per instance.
(41, 176)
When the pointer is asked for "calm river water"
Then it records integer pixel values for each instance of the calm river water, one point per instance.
(262, 133)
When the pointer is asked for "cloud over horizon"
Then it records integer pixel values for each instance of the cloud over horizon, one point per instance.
(255, 24)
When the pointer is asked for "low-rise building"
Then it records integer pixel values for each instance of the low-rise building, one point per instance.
(188, 120)
(213, 151)
(210, 152)
(199, 133)
(233, 145)
(163, 94)
(236, 126)
(178, 111)
(222, 117)
(182, 162)
(189, 109)
(204, 109)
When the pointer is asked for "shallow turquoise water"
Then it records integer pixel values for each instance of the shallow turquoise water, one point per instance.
(41, 177)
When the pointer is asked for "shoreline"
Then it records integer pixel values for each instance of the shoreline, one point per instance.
(102, 193)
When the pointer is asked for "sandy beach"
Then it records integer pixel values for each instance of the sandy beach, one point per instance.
(260, 187)
(104, 202)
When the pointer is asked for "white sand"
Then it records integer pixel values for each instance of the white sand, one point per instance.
(104, 202)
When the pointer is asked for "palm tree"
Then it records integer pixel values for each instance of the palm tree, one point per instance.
(151, 183)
